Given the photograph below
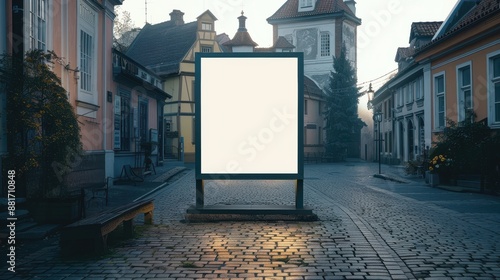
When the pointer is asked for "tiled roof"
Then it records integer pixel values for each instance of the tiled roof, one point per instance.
(290, 9)
(404, 53)
(282, 43)
(311, 88)
(161, 47)
(424, 29)
(482, 9)
(241, 38)
(221, 39)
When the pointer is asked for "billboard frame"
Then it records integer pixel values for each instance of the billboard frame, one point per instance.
(297, 172)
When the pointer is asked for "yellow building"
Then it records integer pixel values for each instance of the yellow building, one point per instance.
(169, 48)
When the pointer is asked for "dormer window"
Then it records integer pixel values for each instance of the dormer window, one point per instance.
(206, 26)
(306, 5)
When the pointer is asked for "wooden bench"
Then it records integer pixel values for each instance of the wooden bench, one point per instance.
(90, 234)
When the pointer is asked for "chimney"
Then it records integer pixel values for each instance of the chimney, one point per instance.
(352, 5)
(242, 20)
(176, 16)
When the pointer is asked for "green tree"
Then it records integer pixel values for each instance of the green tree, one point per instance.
(42, 128)
(342, 121)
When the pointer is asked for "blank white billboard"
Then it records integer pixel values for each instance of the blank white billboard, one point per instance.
(249, 115)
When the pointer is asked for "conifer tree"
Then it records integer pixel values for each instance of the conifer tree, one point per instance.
(342, 121)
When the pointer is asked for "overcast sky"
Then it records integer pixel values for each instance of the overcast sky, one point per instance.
(385, 24)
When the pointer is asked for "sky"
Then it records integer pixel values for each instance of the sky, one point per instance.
(385, 24)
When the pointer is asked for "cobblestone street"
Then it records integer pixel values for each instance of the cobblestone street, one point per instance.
(368, 228)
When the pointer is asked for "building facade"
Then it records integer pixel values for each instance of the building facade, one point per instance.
(138, 121)
(80, 33)
(464, 58)
(171, 57)
(449, 73)
(403, 99)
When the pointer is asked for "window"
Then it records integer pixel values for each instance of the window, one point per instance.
(320, 110)
(143, 120)
(464, 92)
(125, 122)
(389, 140)
(494, 96)
(400, 97)
(38, 24)
(389, 110)
(385, 110)
(409, 92)
(206, 26)
(305, 3)
(87, 51)
(206, 49)
(439, 105)
(419, 89)
(325, 44)
(86, 61)
(305, 107)
(386, 143)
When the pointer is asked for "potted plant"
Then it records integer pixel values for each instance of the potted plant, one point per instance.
(439, 164)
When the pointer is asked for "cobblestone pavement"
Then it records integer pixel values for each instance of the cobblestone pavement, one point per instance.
(368, 229)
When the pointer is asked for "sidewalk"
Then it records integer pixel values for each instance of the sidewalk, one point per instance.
(42, 236)
(123, 192)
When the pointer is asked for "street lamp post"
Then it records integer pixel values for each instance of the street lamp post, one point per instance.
(369, 93)
(377, 117)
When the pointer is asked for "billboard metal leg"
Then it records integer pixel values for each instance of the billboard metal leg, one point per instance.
(299, 194)
(200, 193)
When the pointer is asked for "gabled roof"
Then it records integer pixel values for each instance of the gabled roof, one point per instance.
(282, 43)
(311, 88)
(424, 29)
(289, 10)
(161, 47)
(465, 13)
(209, 13)
(403, 53)
(221, 39)
(482, 9)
